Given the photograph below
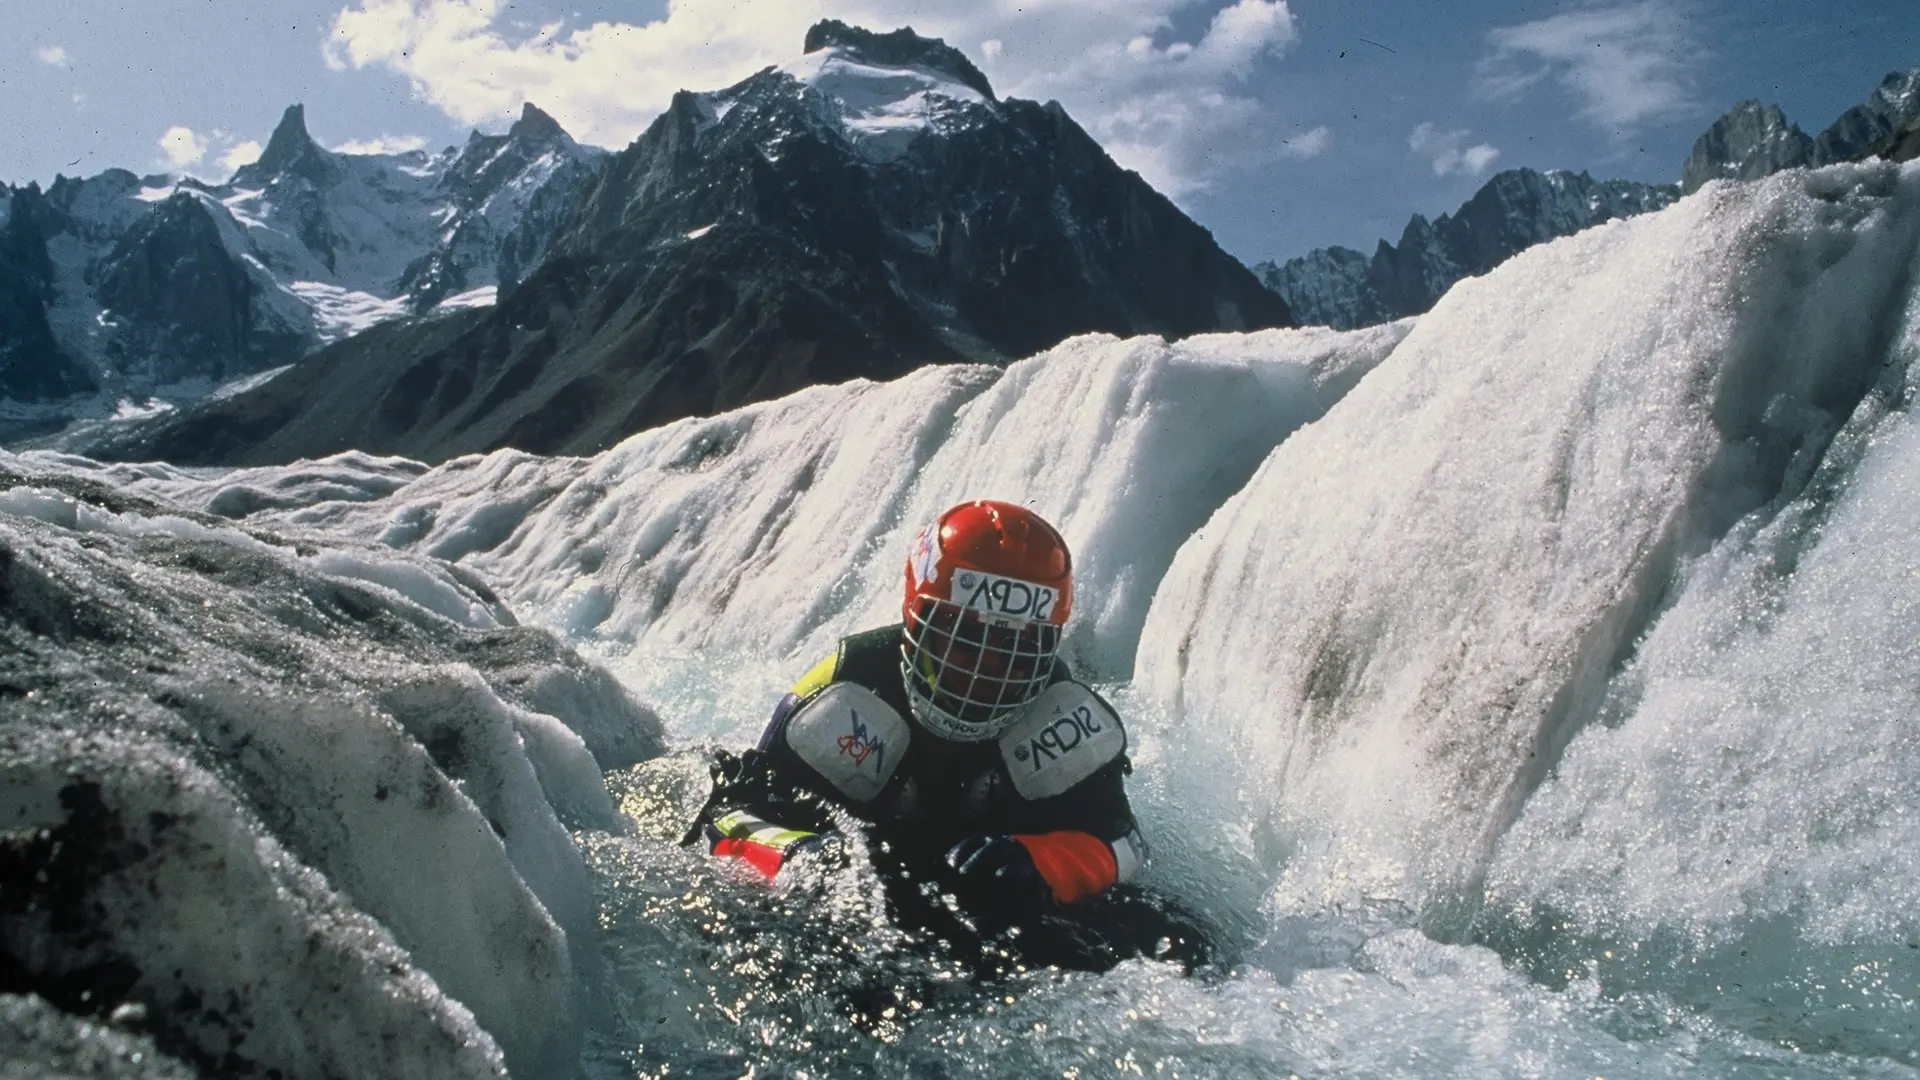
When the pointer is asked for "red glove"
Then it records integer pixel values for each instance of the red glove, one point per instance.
(1067, 866)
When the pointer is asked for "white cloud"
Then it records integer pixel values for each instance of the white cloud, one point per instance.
(239, 154)
(1307, 144)
(1449, 152)
(1170, 109)
(1478, 158)
(182, 148)
(55, 55)
(1629, 64)
(385, 144)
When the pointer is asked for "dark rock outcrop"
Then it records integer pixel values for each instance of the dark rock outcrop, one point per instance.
(183, 307)
(33, 367)
(1750, 141)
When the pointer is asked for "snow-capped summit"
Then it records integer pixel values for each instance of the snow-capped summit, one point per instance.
(882, 91)
(494, 225)
(879, 104)
(289, 150)
(899, 49)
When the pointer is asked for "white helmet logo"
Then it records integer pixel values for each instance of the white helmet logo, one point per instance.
(1005, 598)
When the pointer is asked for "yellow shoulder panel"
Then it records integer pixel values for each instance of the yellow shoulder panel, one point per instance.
(817, 676)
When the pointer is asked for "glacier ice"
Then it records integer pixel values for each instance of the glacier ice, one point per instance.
(1429, 592)
(314, 824)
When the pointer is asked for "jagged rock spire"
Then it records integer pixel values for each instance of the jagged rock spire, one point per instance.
(291, 149)
(536, 126)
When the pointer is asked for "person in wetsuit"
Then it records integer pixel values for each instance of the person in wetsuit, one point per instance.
(956, 736)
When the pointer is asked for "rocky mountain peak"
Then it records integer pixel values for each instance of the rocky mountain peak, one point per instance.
(1898, 93)
(900, 48)
(1748, 142)
(535, 126)
(291, 150)
(1894, 103)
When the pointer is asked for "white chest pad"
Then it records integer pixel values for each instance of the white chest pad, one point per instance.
(1065, 736)
(850, 737)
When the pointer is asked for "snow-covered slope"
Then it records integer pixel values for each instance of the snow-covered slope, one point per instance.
(715, 532)
(1451, 603)
(1528, 689)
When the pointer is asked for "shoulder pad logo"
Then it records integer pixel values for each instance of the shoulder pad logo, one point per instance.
(850, 737)
(859, 744)
(1065, 736)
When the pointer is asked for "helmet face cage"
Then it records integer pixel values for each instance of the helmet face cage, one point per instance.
(968, 679)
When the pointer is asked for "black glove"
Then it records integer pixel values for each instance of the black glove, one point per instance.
(997, 867)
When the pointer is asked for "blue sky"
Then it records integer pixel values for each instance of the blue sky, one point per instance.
(1281, 125)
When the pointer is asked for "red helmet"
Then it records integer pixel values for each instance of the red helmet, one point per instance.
(989, 585)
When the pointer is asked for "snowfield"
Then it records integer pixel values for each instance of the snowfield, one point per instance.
(1525, 691)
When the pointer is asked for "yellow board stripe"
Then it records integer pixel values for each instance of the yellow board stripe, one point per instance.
(777, 838)
(738, 825)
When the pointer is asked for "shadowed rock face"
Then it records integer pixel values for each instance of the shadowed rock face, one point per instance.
(186, 306)
(758, 240)
(33, 367)
(1902, 145)
(1750, 142)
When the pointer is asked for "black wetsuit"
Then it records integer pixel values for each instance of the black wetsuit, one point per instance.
(940, 791)
(774, 801)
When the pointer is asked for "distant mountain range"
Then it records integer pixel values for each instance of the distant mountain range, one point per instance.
(127, 288)
(1344, 288)
(1515, 210)
(864, 210)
